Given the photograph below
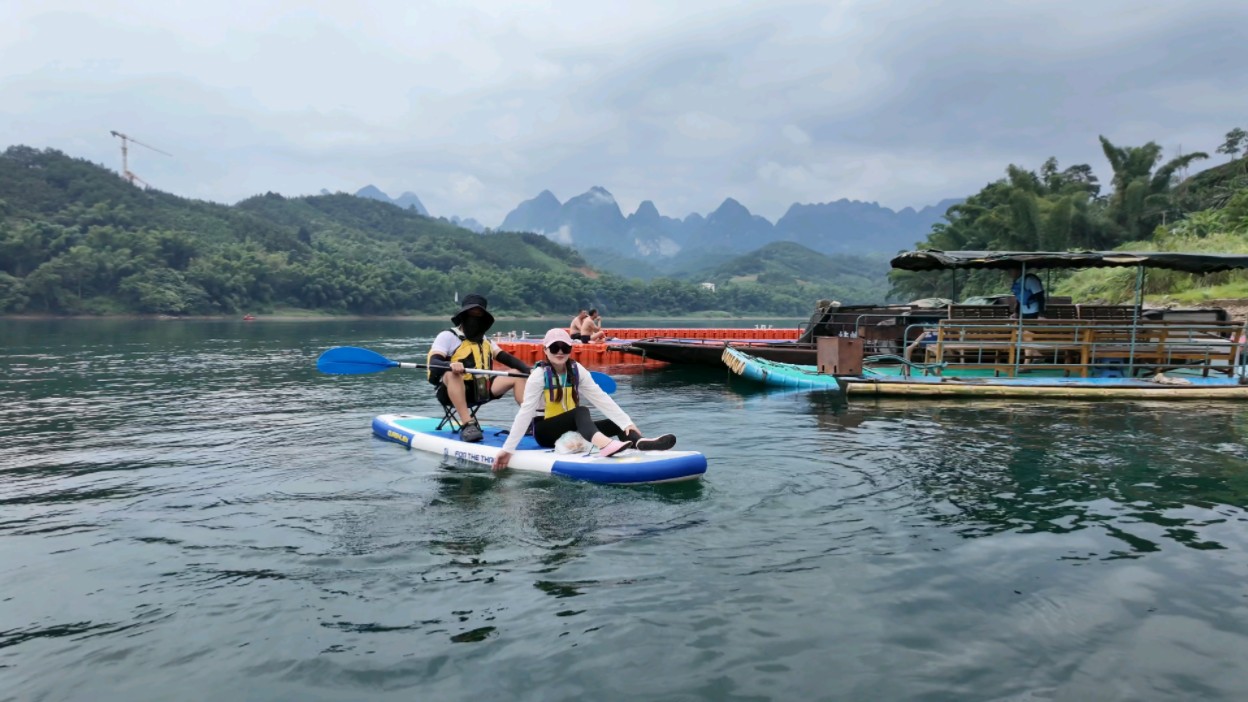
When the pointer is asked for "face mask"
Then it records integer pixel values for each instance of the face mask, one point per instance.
(475, 327)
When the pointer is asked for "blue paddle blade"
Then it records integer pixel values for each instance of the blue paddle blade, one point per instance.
(349, 360)
(606, 382)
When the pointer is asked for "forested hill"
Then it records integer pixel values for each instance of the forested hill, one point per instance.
(787, 265)
(1149, 206)
(372, 231)
(77, 239)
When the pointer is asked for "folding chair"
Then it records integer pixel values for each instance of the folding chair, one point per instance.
(449, 416)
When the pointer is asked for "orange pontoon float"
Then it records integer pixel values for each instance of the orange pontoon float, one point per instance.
(588, 355)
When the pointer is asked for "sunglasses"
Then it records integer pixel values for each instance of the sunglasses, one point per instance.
(559, 347)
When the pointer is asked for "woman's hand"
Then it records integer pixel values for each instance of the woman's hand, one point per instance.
(457, 368)
(631, 428)
(501, 461)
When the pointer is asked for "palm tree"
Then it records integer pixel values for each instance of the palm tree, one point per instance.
(1136, 204)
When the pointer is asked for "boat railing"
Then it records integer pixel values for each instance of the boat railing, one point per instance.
(1078, 347)
(885, 333)
(857, 321)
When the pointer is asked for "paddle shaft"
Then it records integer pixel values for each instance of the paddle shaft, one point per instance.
(351, 360)
(472, 371)
(604, 381)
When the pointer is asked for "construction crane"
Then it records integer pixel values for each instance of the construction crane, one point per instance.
(125, 155)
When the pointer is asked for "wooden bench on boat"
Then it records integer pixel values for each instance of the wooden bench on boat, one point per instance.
(994, 344)
(974, 344)
(1056, 344)
(1162, 346)
(1080, 346)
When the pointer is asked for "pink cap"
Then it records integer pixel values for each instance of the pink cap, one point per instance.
(556, 335)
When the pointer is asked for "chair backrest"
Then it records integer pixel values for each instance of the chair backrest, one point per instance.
(979, 311)
(1061, 312)
(1115, 312)
(1208, 314)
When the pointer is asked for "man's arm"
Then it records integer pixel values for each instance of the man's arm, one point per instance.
(512, 362)
(440, 357)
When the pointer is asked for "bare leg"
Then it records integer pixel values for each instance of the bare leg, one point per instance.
(910, 349)
(458, 395)
(500, 386)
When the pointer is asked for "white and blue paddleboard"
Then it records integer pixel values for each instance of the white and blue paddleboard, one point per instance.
(628, 467)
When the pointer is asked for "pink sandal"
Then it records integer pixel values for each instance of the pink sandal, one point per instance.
(612, 448)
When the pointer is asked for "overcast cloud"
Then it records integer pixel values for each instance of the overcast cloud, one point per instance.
(477, 106)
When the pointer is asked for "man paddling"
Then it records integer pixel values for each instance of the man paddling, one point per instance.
(457, 351)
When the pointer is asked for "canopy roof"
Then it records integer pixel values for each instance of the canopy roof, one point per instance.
(933, 260)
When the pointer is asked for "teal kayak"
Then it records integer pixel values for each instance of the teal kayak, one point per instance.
(781, 375)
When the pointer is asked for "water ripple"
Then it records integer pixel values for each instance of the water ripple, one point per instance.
(190, 510)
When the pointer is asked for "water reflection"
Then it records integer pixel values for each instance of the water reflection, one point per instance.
(1143, 473)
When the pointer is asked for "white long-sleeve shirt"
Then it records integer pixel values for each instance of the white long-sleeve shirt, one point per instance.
(534, 400)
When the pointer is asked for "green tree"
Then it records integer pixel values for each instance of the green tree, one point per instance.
(1234, 141)
(164, 291)
(12, 293)
(1139, 194)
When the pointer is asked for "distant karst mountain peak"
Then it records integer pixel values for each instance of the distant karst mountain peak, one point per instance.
(592, 221)
(407, 201)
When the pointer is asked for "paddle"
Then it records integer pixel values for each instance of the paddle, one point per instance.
(350, 360)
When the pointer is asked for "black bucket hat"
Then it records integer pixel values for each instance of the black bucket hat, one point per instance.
(471, 301)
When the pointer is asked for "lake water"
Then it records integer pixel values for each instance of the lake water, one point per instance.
(189, 511)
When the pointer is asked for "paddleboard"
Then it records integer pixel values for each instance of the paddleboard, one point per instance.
(629, 467)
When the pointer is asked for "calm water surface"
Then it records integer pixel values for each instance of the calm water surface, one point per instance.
(189, 511)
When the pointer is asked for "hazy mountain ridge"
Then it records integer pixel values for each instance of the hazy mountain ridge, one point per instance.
(593, 221)
(409, 201)
(406, 201)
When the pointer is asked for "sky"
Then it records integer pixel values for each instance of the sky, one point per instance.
(478, 106)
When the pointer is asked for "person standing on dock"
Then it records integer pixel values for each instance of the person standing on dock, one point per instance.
(1028, 294)
(457, 351)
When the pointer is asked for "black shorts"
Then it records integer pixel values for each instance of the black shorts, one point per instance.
(470, 393)
(580, 337)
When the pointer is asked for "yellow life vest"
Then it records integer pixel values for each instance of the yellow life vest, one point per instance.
(554, 407)
(473, 355)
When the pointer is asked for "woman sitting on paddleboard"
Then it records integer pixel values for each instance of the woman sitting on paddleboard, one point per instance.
(560, 385)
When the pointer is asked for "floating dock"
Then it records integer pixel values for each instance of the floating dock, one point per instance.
(617, 351)
(771, 334)
(588, 355)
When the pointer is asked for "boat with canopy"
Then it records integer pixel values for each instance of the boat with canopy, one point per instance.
(1110, 351)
